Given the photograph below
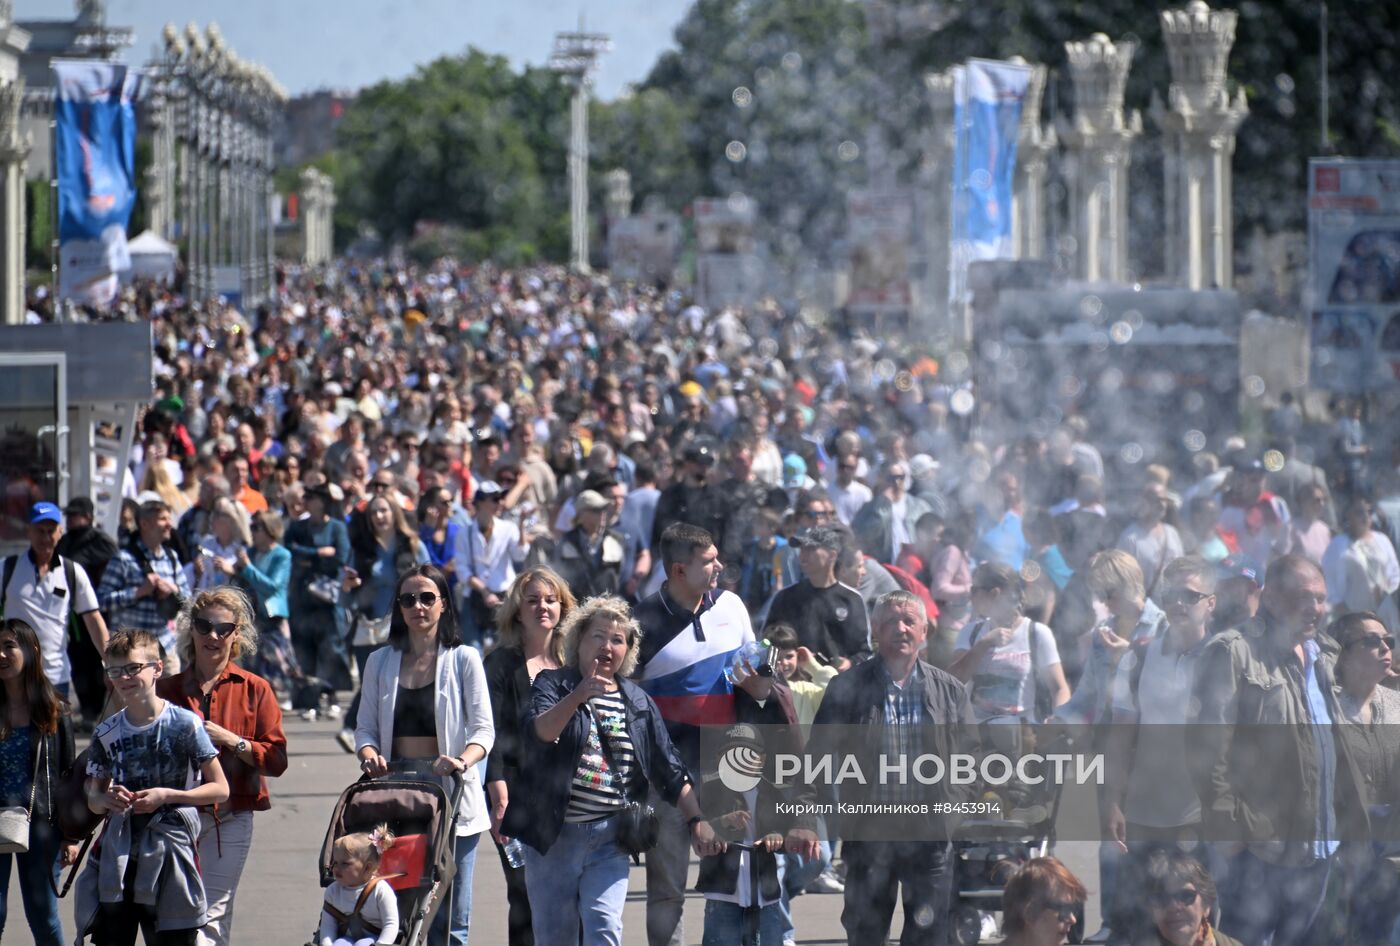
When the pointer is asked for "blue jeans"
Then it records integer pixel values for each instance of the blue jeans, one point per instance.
(1265, 904)
(35, 870)
(461, 896)
(796, 873)
(581, 882)
(724, 924)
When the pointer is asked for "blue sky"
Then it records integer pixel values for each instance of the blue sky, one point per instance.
(347, 44)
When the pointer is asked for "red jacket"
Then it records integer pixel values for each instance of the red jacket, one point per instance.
(245, 704)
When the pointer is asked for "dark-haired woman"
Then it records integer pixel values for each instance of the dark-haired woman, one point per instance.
(36, 748)
(383, 546)
(424, 697)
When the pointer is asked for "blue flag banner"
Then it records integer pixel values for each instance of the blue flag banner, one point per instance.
(988, 96)
(95, 166)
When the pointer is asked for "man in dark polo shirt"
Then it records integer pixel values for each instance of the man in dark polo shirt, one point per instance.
(829, 617)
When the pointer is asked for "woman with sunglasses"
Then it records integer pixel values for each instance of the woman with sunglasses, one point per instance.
(1181, 898)
(424, 697)
(1042, 904)
(383, 546)
(244, 721)
(1371, 713)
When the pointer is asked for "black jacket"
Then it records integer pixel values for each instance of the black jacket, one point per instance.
(57, 760)
(851, 721)
(590, 572)
(509, 684)
(90, 548)
(719, 873)
(548, 771)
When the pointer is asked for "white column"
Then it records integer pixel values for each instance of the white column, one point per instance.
(1033, 148)
(578, 175)
(619, 184)
(936, 176)
(14, 150)
(1100, 141)
(1199, 121)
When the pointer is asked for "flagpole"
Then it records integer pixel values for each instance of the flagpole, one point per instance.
(53, 208)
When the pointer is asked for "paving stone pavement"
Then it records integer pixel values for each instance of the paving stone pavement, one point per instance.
(279, 898)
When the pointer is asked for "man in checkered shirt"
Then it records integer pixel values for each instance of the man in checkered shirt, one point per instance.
(138, 585)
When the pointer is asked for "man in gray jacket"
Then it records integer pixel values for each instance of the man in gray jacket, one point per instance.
(1278, 790)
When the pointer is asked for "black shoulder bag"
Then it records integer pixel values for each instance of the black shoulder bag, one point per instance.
(638, 825)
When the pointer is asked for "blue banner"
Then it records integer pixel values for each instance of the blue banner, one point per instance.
(95, 166)
(987, 116)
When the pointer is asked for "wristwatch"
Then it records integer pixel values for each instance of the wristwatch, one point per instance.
(240, 747)
(690, 823)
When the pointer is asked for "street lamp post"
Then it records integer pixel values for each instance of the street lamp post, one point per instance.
(576, 57)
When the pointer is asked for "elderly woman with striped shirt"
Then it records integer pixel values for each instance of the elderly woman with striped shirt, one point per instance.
(599, 743)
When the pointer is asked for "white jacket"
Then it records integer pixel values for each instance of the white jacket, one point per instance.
(463, 714)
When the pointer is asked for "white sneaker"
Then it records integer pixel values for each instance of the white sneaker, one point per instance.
(826, 882)
(346, 738)
(310, 714)
(334, 711)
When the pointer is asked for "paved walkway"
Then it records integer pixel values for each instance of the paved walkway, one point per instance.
(279, 899)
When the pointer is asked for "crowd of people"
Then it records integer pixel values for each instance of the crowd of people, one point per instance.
(524, 520)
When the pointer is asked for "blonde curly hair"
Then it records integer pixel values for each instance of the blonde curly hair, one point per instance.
(232, 599)
(611, 610)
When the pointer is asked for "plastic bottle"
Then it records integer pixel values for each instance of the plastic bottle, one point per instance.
(755, 654)
(515, 853)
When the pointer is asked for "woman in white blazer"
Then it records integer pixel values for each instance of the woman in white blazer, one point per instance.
(424, 696)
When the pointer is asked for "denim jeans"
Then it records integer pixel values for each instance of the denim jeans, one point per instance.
(35, 869)
(1264, 904)
(223, 852)
(581, 882)
(667, 865)
(724, 924)
(796, 873)
(877, 872)
(461, 897)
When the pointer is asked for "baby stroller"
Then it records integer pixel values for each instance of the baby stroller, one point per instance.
(420, 865)
(990, 849)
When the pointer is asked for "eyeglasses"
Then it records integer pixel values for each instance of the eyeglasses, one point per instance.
(209, 629)
(1374, 641)
(1182, 898)
(1185, 596)
(376, 486)
(128, 670)
(426, 598)
(1064, 909)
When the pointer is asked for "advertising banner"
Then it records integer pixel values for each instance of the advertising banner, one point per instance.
(1354, 273)
(95, 167)
(881, 228)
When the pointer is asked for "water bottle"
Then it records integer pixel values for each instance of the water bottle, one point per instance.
(515, 853)
(756, 654)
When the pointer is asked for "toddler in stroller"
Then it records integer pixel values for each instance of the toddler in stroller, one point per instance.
(415, 871)
(360, 907)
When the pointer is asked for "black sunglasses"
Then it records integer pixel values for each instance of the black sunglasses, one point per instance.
(1183, 897)
(1371, 640)
(1064, 909)
(207, 628)
(426, 598)
(1186, 596)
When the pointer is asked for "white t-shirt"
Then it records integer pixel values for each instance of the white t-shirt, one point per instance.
(492, 561)
(44, 606)
(848, 500)
(1002, 684)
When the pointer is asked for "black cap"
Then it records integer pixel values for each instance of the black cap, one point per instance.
(700, 453)
(825, 537)
(79, 506)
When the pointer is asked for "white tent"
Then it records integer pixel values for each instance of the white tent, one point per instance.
(151, 258)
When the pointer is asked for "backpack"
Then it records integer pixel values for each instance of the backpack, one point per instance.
(69, 575)
(1043, 696)
(918, 589)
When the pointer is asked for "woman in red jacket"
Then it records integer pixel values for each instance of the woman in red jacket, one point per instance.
(243, 721)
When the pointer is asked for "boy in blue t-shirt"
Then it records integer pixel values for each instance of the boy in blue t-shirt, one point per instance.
(150, 766)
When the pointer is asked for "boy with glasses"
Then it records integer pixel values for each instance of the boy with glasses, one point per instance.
(151, 767)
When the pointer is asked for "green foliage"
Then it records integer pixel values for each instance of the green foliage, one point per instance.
(38, 225)
(464, 142)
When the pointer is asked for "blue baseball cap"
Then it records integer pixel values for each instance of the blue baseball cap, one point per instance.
(1237, 566)
(45, 512)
